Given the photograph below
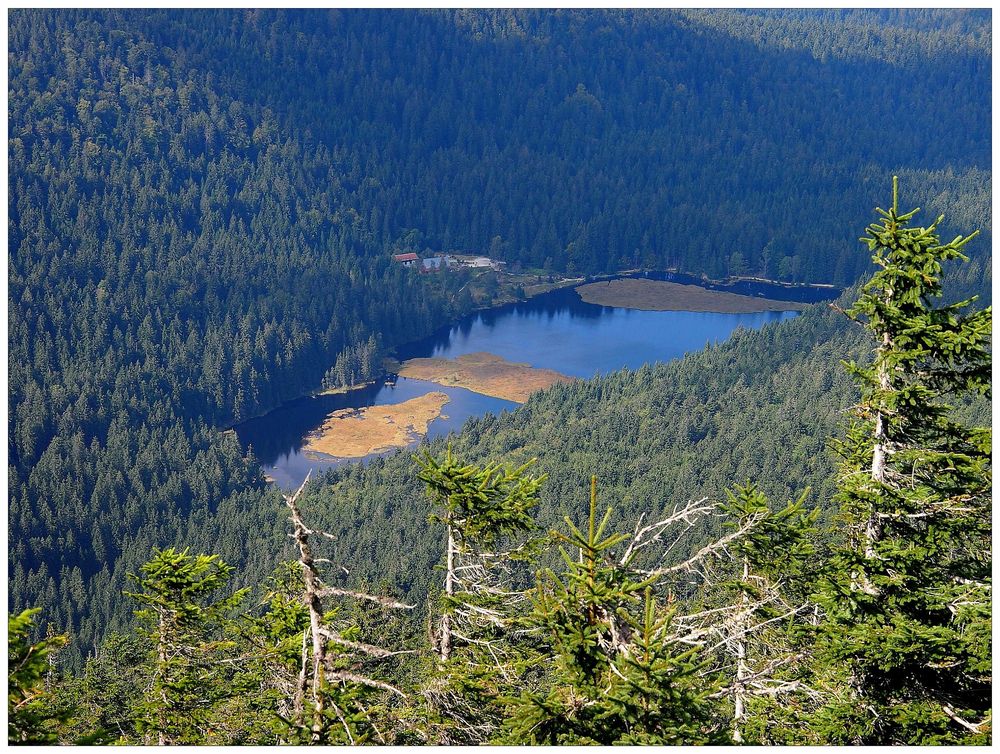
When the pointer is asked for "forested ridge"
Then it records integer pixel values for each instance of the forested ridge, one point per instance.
(595, 141)
(203, 207)
(172, 270)
(758, 406)
(685, 620)
(892, 35)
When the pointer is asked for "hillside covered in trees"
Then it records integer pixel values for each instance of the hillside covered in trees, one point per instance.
(704, 621)
(203, 208)
(595, 141)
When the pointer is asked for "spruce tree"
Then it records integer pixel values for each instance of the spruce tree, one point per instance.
(187, 620)
(908, 598)
(109, 694)
(767, 620)
(482, 655)
(622, 674)
(31, 718)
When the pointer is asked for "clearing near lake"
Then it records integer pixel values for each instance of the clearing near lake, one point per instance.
(663, 296)
(359, 432)
(484, 373)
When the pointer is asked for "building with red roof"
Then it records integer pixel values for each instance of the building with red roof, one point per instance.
(407, 260)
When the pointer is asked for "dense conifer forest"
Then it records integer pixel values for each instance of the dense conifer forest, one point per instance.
(203, 208)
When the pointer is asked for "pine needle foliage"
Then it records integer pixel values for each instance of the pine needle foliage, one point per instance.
(484, 655)
(781, 546)
(908, 597)
(187, 620)
(30, 716)
(482, 503)
(621, 675)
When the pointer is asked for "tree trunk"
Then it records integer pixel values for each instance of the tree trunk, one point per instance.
(449, 589)
(298, 709)
(161, 661)
(312, 587)
(880, 453)
(742, 670)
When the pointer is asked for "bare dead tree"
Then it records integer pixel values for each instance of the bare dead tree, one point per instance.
(323, 666)
(741, 635)
(486, 515)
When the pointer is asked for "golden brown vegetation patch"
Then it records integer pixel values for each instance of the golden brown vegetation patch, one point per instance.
(358, 432)
(484, 373)
(660, 296)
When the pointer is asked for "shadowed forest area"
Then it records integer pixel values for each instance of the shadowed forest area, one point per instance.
(203, 212)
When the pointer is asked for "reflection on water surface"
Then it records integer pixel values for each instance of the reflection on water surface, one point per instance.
(555, 331)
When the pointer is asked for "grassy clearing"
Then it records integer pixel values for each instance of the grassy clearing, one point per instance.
(660, 295)
(484, 373)
(359, 432)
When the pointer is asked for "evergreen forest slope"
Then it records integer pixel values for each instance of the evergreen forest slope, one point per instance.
(758, 407)
(594, 141)
(203, 207)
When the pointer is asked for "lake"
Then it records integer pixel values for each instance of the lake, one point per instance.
(556, 330)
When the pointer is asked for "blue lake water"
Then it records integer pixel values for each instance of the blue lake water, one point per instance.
(556, 331)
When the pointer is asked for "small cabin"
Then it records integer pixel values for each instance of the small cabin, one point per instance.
(407, 260)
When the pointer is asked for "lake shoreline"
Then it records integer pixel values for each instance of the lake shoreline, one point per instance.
(389, 363)
(388, 374)
(554, 336)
